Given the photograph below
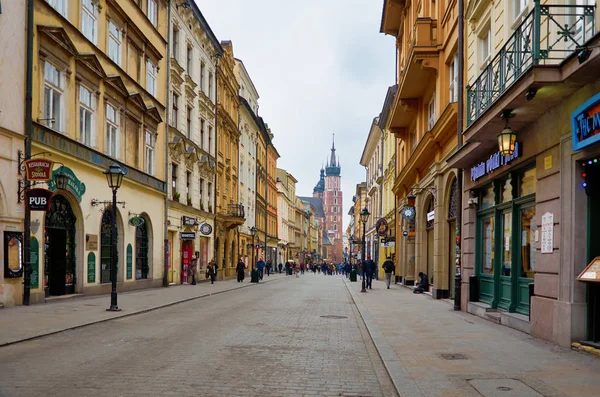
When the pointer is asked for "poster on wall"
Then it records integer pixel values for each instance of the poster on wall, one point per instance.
(547, 233)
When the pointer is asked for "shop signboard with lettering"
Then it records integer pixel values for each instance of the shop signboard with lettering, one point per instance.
(585, 123)
(38, 199)
(495, 161)
(74, 185)
(38, 169)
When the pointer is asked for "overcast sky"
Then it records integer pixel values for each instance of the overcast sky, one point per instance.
(320, 67)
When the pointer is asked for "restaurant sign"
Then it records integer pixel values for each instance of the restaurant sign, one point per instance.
(495, 161)
(38, 169)
(585, 123)
(74, 185)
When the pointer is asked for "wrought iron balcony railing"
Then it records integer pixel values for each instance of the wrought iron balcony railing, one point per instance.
(546, 36)
(236, 210)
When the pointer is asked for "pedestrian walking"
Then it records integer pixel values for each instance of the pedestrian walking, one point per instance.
(193, 270)
(369, 270)
(388, 268)
(280, 266)
(211, 271)
(269, 267)
(261, 268)
(240, 269)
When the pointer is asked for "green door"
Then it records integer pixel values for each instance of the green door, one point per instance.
(486, 259)
(505, 287)
(526, 257)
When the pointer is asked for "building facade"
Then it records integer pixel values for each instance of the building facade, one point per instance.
(191, 141)
(12, 140)
(249, 126)
(272, 233)
(423, 118)
(286, 197)
(230, 214)
(329, 190)
(529, 214)
(99, 84)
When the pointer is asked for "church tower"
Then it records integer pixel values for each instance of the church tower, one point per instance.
(333, 206)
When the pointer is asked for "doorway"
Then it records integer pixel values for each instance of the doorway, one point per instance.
(592, 190)
(59, 258)
(429, 230)
(452, 210)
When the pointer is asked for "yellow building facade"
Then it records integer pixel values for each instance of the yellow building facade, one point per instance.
(229, 212)
(99, 93)
(423, 117)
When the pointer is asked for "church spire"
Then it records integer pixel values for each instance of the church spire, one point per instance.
(333, 166)
(332, 162)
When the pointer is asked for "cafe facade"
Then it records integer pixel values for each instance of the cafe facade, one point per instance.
(530, 200)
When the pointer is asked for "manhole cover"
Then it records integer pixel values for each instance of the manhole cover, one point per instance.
(454, 356)
(334, 317)
(504, 388)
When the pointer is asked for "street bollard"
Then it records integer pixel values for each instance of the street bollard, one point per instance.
(457, 286)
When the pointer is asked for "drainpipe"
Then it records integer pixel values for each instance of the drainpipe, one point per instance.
(168, 102)
(28, 135)
(459, 143)
(215, 248)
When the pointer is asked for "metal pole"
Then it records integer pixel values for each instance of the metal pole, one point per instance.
(362, 255)
(28, 128)
(113, 254)
(459, 143)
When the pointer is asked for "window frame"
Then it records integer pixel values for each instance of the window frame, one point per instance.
(112, 125)
(62, 9)
(92, 14)
(56, 89)
(151, 77)
(87, 138)
(149, 152)
(152, 12)
(116, 38)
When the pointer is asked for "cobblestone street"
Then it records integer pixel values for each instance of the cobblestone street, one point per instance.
(271, 340)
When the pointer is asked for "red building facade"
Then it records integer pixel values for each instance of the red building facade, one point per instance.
(329, 190)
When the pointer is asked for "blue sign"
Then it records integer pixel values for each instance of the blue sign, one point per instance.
(405, 233)
(495, 161)
(585, 123)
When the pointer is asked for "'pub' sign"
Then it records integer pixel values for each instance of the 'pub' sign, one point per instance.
(585, 123)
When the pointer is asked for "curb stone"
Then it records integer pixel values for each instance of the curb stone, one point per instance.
(404, 384)
(134, 313)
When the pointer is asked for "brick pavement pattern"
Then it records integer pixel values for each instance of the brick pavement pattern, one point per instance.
(265, 341)
(412, 332)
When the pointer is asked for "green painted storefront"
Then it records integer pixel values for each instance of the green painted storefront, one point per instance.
(506, 232)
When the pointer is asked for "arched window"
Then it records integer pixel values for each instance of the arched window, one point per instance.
(105, 247)
(453, 200)
(141, 252)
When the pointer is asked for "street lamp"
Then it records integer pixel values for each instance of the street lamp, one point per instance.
(114, 177)
(253, 233)
(364, 217)
(61, 179)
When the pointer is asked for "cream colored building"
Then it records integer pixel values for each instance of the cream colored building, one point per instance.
(286, 190)
(99, 95)
(249, 126)
(191, 149)
(12, 129)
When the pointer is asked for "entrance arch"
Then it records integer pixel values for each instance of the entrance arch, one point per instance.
(60, 259)
(105, 247)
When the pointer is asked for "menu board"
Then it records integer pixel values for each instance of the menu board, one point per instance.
(591, 274)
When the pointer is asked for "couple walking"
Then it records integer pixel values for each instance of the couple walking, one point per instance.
(370, 268)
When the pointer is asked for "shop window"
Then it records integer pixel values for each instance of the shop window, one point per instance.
(141, 254)
(507, 194)
(487, 197)
(453, 201)
(528, 226)
(527, 182)
(507, 244)
(488, 245)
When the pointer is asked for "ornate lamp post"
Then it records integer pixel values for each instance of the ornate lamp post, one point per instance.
(364, 217)
(253, 233)
(114, 177)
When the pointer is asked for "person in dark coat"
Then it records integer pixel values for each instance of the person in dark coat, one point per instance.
(211, 270)
(423, 285)
(240, 269)
(369, 270)
(388, 268)
(280, 266)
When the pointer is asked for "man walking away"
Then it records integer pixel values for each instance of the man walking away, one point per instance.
(261, 268)
(212, 271)
(240, 268)
(280, 267)
(389, 268)
(369, 270)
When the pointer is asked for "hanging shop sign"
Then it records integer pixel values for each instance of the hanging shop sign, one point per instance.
(206, 229)
(408, 213)
(188, 221)
(136, 221)
(495, 161)
(591, 274)
(188, 235)
(38, 199)
(382, 227)
(39, 169)
(74, 185)
(585, 123)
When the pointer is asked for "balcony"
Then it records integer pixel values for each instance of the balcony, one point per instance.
(233, 216)
(548, 35)
(235, 210)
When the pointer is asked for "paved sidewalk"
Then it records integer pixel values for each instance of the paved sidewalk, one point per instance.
(411, 332)
(22, 323)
